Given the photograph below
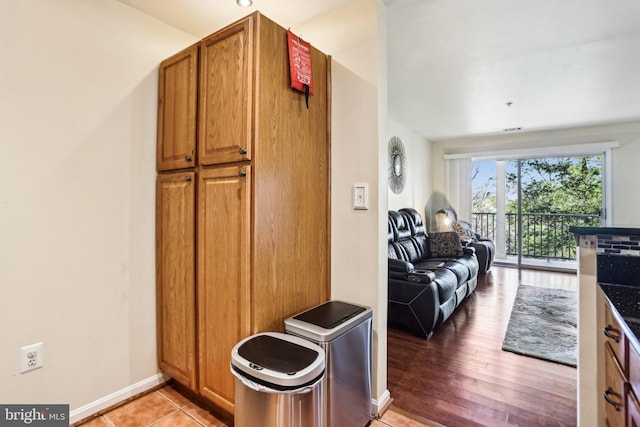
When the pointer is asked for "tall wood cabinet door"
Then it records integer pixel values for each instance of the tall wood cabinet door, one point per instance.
(225, 116)
(223, 276)
(175, 276)
(177, 110)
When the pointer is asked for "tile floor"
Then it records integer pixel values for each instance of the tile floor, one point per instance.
(167, 407)
(164, 407)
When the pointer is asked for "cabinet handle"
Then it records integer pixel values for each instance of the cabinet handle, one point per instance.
(188, 158)
(187, 178)
(612, 333)
(242, 173)
(610, 401)
(243, 151)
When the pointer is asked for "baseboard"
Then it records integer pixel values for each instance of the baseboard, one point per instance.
(114, 398)
(381, 403)
(141, 386)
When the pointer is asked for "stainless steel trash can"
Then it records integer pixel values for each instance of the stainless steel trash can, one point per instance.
(277, 381)
(343, 330)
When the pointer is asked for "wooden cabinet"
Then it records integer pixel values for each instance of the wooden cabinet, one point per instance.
(633, 410)
(614, 393)
(176, 287)
(622, 374)
(615, 337)
(262, 207)
(226, 94)
(177, 108)
(224, 286)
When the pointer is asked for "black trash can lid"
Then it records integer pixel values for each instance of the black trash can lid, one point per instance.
(327, 321)
(278, 359)
(330, 314)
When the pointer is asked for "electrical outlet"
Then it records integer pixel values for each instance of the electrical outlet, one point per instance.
(31, 357)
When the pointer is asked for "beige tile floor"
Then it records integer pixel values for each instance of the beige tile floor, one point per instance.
(166, 407)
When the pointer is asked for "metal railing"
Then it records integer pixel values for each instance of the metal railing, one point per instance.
(544, 235)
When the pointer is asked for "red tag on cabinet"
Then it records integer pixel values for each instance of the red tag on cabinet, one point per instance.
(300, 64)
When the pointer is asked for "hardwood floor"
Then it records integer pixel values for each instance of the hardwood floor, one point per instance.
(461, 377)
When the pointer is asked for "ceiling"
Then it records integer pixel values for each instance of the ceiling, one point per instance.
(464, 67)
(203, 17)
(559, 63)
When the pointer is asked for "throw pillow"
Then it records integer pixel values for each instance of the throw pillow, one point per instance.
(445, 244)
(464, 231)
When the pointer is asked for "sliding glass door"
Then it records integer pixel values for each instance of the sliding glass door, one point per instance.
(527, 205)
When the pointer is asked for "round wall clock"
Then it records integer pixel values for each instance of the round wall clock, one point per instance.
(397, 165)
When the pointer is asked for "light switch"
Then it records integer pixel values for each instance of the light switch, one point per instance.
(361, 196)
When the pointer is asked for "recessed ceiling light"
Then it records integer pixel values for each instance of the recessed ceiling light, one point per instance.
(244, 3)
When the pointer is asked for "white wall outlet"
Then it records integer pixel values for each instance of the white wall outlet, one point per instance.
(31, 357)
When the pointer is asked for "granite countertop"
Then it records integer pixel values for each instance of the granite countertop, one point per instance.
(626, 301)
(613, 230)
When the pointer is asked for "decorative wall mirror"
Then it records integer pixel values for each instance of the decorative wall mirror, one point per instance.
(397, 165)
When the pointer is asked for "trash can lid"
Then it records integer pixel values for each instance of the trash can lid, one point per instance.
(277, 359)
(327, 321)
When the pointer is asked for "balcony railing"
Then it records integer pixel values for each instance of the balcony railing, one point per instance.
(544, 236)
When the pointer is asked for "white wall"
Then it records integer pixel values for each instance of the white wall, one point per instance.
(355, 233)
(350, 35)
(626, 192)
(418, 187)
(358, 147)
(78, 121)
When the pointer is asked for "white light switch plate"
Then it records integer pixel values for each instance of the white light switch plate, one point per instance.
(361, 196)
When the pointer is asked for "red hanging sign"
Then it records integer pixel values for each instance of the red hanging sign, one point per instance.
(300, 64)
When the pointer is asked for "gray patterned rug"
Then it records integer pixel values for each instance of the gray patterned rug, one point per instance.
(543, 324)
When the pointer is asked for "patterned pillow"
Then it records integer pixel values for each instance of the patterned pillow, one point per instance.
(445, 244)
(463, 230)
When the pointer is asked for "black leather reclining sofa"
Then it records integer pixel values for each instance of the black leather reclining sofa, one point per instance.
(426, 282)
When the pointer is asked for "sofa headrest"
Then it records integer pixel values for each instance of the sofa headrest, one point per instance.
(391, 237)
(400, 225)
(415, 221)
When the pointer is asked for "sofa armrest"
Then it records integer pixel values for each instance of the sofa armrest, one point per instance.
(405, 271)
(421, 276)
(405, 291)
(397, 265)
(413, 306)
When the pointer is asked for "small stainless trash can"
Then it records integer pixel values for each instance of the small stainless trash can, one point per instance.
(343, 330)
(277, 381)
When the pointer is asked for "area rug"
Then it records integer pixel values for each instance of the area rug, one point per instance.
(543, 324)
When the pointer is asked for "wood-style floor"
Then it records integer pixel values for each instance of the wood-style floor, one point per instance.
(461, 377)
